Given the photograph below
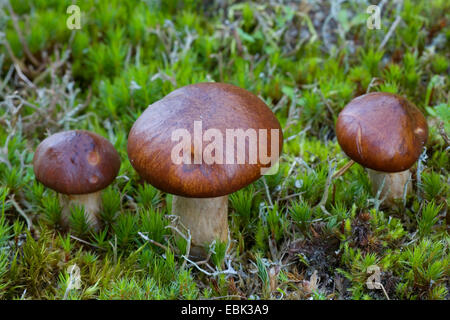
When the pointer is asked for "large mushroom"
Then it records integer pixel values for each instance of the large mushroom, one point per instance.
(78, 165)
(386, 134)
(184, 144)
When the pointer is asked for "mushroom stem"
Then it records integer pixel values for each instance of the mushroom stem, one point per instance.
(206, 218)
(92, 203)
(394, 184)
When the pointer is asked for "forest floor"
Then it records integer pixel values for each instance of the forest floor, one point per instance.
(298, 234)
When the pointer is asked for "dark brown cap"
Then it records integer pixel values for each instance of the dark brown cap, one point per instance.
(76, 162)
(218, 106)
(382, 131)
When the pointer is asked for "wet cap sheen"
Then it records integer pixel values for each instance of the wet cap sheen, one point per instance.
(382, 131)
(218, 106)
(76, 162)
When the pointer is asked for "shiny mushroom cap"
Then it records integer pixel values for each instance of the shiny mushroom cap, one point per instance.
(382, 131)
(217, 106)
(76, 162)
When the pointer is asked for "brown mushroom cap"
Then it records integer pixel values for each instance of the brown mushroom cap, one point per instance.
(219, 106)
(382, 131)
(76, 162)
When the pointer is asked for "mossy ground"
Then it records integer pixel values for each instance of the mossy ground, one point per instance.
(306, 60)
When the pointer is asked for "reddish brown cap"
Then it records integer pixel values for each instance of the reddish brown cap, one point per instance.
(382, 131)
(76, 162)
(218, 106)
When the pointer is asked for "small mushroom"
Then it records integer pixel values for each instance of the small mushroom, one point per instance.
(77, 164)
(204, 112)
(385, 133)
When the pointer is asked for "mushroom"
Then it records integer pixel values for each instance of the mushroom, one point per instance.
(203, 169)
(385, 133)
(78, 165)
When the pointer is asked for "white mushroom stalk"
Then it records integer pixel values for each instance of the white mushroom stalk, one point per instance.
(206, 218)
(391, 187)
(92, 204)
